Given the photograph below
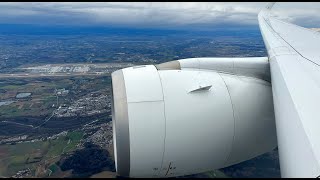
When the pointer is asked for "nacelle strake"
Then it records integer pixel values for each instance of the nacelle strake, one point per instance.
(192, 115)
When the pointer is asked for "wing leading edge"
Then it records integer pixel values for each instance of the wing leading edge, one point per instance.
(294, 56)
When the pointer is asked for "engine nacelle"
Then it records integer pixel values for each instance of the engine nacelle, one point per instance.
(191, 116)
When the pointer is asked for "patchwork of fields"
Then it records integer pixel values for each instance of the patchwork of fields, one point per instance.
(37, 156)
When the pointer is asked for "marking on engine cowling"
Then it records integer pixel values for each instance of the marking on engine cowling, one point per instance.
(155, 171)
(168, 169)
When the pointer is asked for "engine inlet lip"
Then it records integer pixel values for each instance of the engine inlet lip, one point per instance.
(120, 123)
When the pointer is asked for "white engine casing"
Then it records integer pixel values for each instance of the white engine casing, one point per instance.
(190, 119)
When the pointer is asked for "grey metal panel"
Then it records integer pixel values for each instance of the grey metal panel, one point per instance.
(172, 65)
(257, 67)
(295, 79)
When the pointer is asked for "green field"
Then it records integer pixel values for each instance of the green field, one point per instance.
(74, 137)
(215, 174)
(29, 155)
(54, 168)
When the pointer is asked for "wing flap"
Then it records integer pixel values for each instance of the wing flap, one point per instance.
(304, 41)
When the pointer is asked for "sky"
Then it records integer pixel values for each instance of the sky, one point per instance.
(155, 14)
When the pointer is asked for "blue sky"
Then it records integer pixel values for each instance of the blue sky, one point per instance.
(200, 15)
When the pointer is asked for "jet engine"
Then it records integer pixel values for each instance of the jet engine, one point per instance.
(191, 115)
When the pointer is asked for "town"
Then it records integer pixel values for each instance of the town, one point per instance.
(94, 103)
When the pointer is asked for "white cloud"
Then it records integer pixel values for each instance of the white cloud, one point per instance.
(152, 13)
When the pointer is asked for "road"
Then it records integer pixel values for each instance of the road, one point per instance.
(20, 75)
(17, 123)
(46, 120)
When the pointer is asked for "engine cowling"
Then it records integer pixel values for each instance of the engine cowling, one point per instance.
(174, 119)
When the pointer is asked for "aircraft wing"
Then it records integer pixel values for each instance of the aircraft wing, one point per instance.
(294, 55)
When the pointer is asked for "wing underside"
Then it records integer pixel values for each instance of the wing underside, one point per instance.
(294, 55)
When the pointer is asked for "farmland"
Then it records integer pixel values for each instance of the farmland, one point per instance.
(37, 155)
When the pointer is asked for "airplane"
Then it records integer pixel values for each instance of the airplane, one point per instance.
(199, 114)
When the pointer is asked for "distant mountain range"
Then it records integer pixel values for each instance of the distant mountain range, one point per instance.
(29, 29)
